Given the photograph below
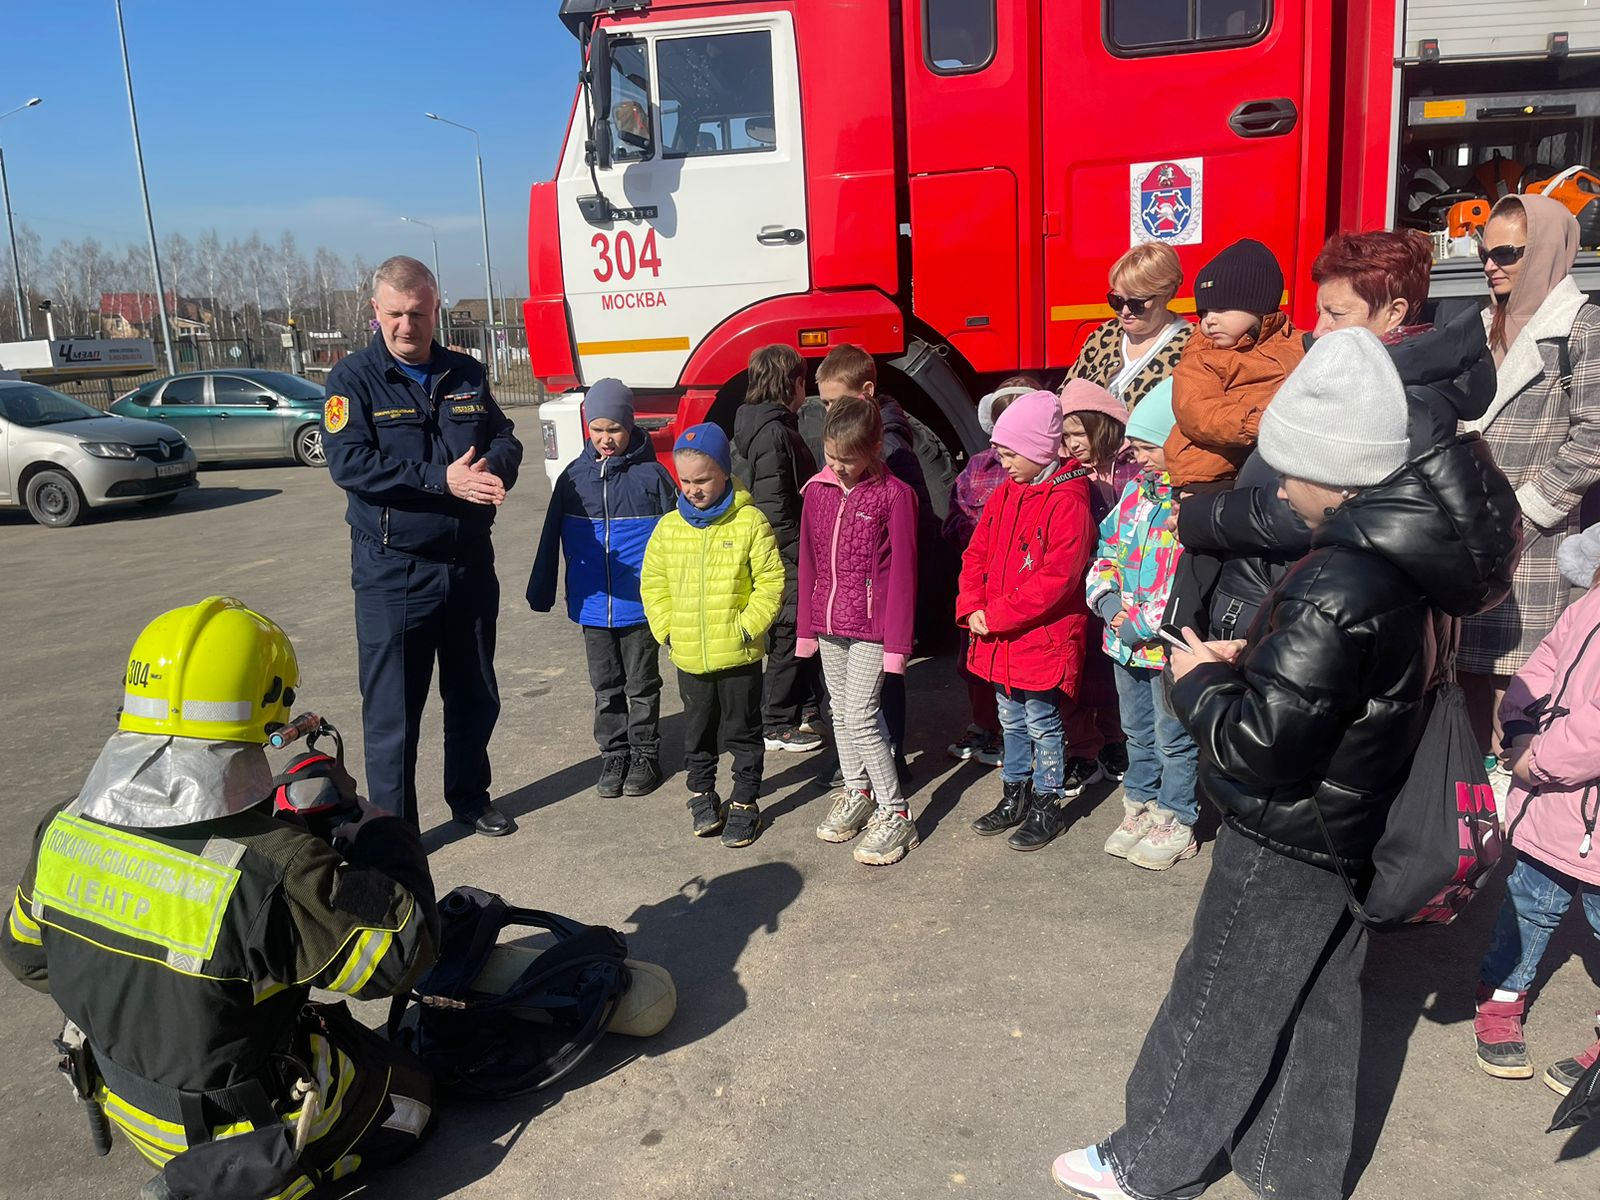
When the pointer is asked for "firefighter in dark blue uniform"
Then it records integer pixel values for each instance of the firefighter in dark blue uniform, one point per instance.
(425, 456)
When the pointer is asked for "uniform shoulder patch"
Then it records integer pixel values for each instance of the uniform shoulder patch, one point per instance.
(335, 413)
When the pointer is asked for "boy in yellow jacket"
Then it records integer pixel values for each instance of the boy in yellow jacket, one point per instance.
(711, 585)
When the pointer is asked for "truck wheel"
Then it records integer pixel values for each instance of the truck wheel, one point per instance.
(938, 466)
(54, 500)
(308, 451)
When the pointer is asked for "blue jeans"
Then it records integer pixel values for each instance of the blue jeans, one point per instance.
(1035, 745)
(1537, 897)
(1162, 757)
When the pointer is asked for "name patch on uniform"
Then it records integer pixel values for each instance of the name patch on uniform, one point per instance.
(134, 886)
(468, 410)
(335, 413)
(392, 414)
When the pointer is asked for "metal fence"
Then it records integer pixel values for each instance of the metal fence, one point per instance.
(503, 348)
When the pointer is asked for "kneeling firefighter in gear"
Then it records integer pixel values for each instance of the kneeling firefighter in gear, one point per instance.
(180, 927)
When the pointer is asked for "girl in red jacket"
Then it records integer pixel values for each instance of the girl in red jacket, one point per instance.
(858, 590)
(1021, 599)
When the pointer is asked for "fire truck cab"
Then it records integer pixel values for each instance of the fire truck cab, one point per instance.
(947, 182)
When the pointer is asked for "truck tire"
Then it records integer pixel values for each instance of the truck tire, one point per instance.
(938, 466)
(54, 500)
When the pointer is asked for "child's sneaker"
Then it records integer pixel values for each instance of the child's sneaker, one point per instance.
(1138, 821)
(849, 816)
(993, 752)
(1497, 1026)
(742, 825)
(1563, 1076)
(810, 719)
(969, 745)
(1084, 1173)
(644, 775)
(890, 836)
(613, 768)
(1114, 760)
(1079, 774)
(795, 739)
(706, 808)
(1168, 841)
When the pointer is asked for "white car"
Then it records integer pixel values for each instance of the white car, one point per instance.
(59, 457)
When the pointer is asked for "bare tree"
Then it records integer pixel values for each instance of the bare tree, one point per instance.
(78, 273)
(177, 266)
(326, 271)
(288, 273)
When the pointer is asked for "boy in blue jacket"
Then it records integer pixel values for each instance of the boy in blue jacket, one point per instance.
(602, 512)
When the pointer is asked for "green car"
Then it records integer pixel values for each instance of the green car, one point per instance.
(236, 414)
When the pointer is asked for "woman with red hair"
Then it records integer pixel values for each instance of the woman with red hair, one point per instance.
(1377, 281)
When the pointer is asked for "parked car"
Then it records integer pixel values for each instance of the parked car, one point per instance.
(243, 414)
(59, 457)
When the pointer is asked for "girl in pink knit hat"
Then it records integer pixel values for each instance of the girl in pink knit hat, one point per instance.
(1021, 602)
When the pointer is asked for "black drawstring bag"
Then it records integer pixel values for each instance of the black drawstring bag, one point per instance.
(1442, 839)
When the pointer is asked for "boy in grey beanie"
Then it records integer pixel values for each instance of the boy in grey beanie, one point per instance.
(1339, 420)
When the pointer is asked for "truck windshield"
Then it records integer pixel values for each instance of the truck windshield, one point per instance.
(716, 94)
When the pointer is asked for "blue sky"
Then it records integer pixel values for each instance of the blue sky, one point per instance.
(289, 115)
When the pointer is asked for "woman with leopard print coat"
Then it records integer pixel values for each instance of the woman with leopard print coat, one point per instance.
(1141, 344)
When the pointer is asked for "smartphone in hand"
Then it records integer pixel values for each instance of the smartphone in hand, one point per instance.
(1173, 636)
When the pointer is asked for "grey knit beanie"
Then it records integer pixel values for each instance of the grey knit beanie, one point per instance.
(1340, 417)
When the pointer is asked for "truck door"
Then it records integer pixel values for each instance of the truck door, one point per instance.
(1192, 122)
(704, 131)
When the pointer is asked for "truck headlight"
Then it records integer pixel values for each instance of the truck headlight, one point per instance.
(109, 449)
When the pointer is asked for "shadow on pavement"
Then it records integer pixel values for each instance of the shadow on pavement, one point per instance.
(201, 499)
(698, 933)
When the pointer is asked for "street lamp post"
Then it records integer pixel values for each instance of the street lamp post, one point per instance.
(483, 216)
(11, 229)
(433, 236)
(144, 190)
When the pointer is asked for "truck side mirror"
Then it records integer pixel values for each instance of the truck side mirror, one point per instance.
(600, 97)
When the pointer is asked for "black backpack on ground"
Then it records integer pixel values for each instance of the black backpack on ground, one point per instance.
(495, 1046)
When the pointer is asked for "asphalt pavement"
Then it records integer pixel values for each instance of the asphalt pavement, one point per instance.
(941, 1027)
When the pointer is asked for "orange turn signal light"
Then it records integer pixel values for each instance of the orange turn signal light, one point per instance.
(813, 337)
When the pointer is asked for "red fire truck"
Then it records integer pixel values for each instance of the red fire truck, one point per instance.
(946, 182)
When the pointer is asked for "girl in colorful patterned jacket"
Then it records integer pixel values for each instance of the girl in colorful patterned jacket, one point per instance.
(1128, 586)
(857, 606)
(1020, 602)
(968, 494)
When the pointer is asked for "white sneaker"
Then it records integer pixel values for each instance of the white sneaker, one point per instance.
(1138, 822)
(1168, 841)
(1083, 1173)
(890, 836)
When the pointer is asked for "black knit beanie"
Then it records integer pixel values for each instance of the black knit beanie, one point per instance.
(1244, 277)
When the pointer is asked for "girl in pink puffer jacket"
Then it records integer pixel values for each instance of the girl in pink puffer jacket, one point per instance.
(858, 586)
(1551, 720)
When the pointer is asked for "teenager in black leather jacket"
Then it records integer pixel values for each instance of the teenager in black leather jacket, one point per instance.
(1253, 1054)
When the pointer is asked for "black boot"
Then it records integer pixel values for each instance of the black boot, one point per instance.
(644, 775)
(1040, 826)
(1009, 812)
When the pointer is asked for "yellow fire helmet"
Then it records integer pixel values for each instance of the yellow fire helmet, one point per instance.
(215, 671)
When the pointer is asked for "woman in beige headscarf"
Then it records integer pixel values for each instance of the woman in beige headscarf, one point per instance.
(1544, 429)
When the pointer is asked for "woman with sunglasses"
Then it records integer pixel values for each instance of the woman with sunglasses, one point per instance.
(1140, 345)
(1544, 429)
